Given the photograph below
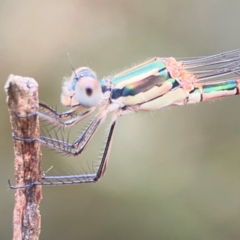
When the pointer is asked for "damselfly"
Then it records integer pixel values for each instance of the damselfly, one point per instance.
(152, 85)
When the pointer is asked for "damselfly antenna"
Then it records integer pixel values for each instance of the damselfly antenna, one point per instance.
(71, 64)
(152, 85)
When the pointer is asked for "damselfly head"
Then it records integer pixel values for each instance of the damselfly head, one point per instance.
(82, 89)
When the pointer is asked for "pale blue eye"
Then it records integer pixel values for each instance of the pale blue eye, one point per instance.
(83, 72)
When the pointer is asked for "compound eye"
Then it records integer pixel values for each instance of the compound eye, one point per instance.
(88, 91)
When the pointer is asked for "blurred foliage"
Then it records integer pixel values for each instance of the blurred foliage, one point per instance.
(174, 174)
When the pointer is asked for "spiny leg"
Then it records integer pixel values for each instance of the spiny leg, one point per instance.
(86, 178)
(81, 178)
(80, 144)
(54, 117)
(67, 123)
(106, 153)
(50, 111)
(53, 112)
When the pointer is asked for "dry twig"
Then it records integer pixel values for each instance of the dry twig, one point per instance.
(22, 99)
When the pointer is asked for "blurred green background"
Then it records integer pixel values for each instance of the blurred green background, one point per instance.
(173, 174)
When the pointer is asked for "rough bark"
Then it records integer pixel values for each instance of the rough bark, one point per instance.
(22, 99)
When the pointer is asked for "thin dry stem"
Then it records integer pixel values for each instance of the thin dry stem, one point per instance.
(22, 99)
